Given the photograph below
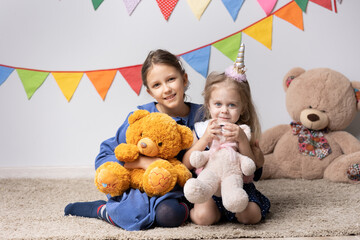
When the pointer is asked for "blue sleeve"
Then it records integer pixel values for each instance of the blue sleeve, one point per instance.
(257, 174)
(108, 146)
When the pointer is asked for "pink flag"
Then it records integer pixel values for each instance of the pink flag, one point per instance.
(267, 5)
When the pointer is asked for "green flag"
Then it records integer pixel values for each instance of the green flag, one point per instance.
(229, 46)
(31, 80)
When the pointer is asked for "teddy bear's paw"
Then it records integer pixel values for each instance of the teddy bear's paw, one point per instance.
(159, 178)
(198, 159)
(248, 166)
(353, 172)
(236, 200)
(196, 191)
(126, 152)
(112, 178)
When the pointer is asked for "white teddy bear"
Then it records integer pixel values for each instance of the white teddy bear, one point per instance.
(222, 175)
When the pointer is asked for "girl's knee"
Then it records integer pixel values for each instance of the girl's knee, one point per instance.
(251, 214)
(171, 213)
(204, 216)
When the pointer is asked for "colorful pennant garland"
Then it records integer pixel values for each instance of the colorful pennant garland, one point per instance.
(198, 58)
(233, 6)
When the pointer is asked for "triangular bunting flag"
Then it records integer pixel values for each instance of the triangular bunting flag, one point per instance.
(229, 46)
(302, 4)
(166, 7)
(131, 5)
(132, 76)
(198, 7)
(102, 80)
(97, 3)
(291, 13)
(31, 80)
(261, 31)
(5, 73)
(323, 3)
(67, 82)
(199, 60)
(267, 5)
(233, 7)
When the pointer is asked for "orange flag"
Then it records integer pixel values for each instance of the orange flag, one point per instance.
(261, 31)
(291, 13)
(102, 80)
(68, 82)
(132, 75)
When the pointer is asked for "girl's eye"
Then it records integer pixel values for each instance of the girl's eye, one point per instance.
(156, 85)
(171, 79)
(218, 104)
(232, 105)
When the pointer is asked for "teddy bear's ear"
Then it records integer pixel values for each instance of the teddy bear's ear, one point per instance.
(186, 136)
(138, 114)
(291, 75)
(356, 86)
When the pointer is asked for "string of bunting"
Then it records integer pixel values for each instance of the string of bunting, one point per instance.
(198, 7)
(198, 58)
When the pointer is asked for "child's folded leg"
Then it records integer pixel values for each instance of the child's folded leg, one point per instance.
(171, 213)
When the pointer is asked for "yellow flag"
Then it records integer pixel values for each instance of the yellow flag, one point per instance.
(198, 7)
(67, 82)
(261, 31)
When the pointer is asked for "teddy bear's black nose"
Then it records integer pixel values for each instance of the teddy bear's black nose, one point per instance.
(313, 117)
(143, 145)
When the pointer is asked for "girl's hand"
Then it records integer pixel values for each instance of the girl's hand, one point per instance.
(212, 131)
(142, 162)
(233, 133)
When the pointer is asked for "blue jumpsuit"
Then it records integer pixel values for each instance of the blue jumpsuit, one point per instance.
(134, 210)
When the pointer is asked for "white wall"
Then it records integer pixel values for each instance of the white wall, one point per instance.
(67, 35)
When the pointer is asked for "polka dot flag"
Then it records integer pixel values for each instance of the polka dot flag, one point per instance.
(166, 7)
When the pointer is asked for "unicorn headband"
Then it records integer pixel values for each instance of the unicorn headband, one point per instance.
(237, 71)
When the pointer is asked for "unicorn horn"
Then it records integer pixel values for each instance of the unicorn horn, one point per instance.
(239, 63)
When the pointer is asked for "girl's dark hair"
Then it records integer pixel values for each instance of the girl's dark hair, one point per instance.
(160, 56)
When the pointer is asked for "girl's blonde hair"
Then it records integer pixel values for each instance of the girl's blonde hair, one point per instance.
(248, 113)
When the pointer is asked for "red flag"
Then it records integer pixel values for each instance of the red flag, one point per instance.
(166, 7)
(132, 75)
(323, 3)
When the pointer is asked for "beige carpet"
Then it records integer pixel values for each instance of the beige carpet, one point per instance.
(33, 209)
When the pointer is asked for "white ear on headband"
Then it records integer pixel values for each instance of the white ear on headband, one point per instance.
(237, 71)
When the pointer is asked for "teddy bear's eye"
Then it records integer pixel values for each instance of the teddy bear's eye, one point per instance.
(160, 144)
(310, 107)
(141, 134)
(323, 111)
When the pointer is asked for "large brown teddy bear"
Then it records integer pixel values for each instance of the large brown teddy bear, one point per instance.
(154, 135)
(322, 103)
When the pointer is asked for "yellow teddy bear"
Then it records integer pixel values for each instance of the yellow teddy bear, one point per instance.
(154, 135)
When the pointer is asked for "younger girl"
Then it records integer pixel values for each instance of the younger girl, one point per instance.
(166, 81)
(227, 100)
